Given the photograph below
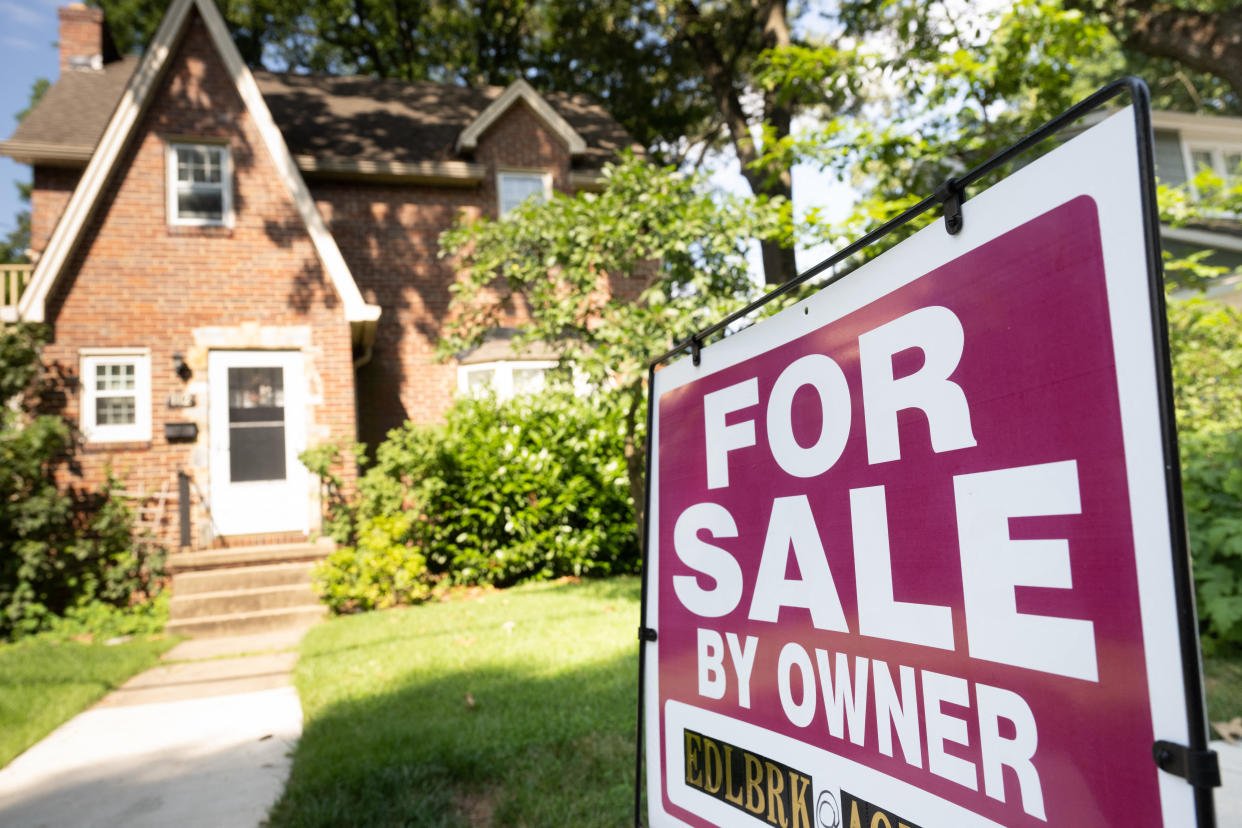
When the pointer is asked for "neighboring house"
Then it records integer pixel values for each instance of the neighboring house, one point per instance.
(236, 265)
(1186, 143)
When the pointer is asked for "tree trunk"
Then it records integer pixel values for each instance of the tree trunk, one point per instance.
(1208, 42)
(768, 178)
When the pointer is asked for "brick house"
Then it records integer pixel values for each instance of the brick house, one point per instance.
(237, 265)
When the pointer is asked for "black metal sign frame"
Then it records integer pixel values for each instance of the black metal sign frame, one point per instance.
(1195, 762)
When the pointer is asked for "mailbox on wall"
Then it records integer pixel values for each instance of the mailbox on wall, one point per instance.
(180, 432)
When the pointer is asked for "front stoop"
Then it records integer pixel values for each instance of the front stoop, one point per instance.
(244, 589)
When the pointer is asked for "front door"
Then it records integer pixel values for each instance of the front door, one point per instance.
(257, 413)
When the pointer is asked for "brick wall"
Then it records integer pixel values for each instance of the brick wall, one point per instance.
(81, 34)
(49, 194)
(389, 235)
(137, 282)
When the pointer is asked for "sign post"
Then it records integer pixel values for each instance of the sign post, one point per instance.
(914, 544)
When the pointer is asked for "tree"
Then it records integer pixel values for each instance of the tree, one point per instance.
(575, 262)
(677, 76)
(13, 247)
(1204, 36)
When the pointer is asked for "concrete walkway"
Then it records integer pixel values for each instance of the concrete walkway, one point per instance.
(201, 740)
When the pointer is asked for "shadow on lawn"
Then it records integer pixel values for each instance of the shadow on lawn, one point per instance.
(481, 747)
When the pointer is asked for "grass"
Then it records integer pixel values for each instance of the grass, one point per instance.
(512, 707)
(43, 684)
(508, 708)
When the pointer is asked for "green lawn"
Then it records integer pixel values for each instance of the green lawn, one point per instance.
(514, 708)
(44, 684)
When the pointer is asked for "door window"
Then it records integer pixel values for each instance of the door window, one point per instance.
(256, 424)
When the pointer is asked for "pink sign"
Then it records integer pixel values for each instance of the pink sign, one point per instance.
(904, 542)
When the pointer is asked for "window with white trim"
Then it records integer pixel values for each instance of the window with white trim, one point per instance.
(505, 379)
(1223, 159)
(514, 188)
(116, 395)
(200, 185)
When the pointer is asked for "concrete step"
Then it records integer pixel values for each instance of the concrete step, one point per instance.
(247, 622)
(239, 601)
(244, 577)
(207, 559)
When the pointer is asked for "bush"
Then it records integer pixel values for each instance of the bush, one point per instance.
(382, 571)
(59, 552)
(1206, 346)
(502, 492)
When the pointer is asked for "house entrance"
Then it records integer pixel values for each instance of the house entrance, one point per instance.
(257, 418)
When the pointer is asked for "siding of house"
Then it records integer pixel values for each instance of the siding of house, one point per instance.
(134, 281)
(1170, 163)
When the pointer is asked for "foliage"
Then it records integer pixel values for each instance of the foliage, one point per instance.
(614, 278)
(382, 570)
(501, 492)
(1206, 343)
(325, 461)
(58, 553)
(510, 708)
(533, 487)
(46, 681)
(13, 246)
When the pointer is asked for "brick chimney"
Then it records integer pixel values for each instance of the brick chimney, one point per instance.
(85, 42)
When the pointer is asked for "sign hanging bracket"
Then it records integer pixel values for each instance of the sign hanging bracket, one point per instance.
(696, 349)
(1198, 767)
(951, 195)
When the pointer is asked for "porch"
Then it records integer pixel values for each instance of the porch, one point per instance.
(13, 280)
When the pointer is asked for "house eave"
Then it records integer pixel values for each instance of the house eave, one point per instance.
(434, 173)
(38, 152)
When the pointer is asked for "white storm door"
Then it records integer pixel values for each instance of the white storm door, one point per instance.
(257, 418)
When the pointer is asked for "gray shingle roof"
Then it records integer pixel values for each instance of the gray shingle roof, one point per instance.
(329, 118)
(75, 111)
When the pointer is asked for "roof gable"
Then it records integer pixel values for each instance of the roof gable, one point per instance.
(120, 129)
(520, 92)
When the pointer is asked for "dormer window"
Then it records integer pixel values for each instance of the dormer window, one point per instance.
(515, 187)
(200, 189)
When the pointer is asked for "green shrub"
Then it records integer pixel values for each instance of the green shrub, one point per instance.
(501, 492)
(325, 461)
(383, 570)
(1206, 345)
(58, 550)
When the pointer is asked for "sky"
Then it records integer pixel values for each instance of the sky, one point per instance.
(28, 34)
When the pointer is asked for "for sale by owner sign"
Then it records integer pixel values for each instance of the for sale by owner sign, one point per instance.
(909, 555)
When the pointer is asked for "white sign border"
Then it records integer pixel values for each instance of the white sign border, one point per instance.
(1102, 162)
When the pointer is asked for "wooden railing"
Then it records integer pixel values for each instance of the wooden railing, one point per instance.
(13, 280)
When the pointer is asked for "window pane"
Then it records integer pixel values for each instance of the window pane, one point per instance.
(1233, 163)
(517, 187)
(1201, 159)
(480, 380)
(114, 376)
(256, 452)
(115, 411)
(256, 395)
(527, 380)
(201, 204)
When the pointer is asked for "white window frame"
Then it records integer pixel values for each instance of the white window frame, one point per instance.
(140, 429)
(226, 185)
(544, 176)
(502, 378)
